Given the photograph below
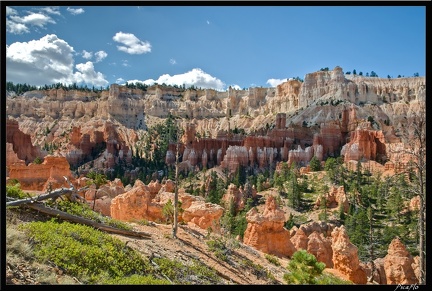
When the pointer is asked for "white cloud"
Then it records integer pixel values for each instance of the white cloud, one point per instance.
(172, 61)
(236, 87)
(120, 81)
(47, 61)
(131, 44)
(17, 24)
(275, 82)
(208, 22)
(34, 19)
(125, 63)
(87, 72)
(100, 55)
(87, 55)
(10, 11)
(16, 28)
(52, 10)
(75, 11)
(196, 77)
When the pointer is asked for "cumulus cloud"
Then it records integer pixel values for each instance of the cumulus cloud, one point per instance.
(75, 11)
(34, 19)
(47, 61)
(172, 61)
(17, 24)
(10, 11)
(100, 55)
(87, 55)
(131, 44)
(275, 82)
(52, 10)
(16, 28)
(196, 77)
(236, 87)
(87, 72)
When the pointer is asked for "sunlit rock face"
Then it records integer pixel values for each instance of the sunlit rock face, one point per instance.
(321, 117)
(399, 264)
(20, 143)
(265, 231)
(47, 175)
(146, 202)
(345, 257)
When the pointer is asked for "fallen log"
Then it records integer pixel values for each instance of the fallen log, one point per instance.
(53, 194)
(70, 193)
(77, 219)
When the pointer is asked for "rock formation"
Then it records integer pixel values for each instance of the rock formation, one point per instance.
(47, 175)
(334, 198)
(345, 256)
(146, 202)
(22, 147)
(399, 265)
(292, 122)
(265, 231)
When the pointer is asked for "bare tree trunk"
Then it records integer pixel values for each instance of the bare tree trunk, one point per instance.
(174, 230)
(417, 151)
(422, 245)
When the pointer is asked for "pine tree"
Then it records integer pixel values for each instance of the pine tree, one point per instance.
(304, 269)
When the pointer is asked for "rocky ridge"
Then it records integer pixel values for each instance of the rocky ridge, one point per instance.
(330, 113)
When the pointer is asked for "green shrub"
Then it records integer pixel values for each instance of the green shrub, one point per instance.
(84, 210)
(179, 273)
(83, 251)
(219, 248)
(272, 259)
(14, 191)
(38, 161)
(137, 280)
(304, 269)
(315, 164)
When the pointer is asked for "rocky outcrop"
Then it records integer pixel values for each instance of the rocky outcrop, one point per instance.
(315, 237)
(265, 231)
(47, 175)
(320, 113)
(146, 202)
(21, 143)
(399, 265)
(134, 204)
(334, 198)
(320, 247)
(345, 256)
(204, 215)
(235, 196)
(100, 199)
(358, 89)
(365, 144)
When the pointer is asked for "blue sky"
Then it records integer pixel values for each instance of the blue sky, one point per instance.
(209, 46)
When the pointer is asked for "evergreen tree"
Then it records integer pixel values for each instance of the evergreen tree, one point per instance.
(304, 269)
(315, 164)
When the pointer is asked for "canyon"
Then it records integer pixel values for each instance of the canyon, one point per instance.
(329, 114)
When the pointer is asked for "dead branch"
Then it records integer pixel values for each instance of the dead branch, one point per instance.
(69, 217)
(70, 193)
(53, 194)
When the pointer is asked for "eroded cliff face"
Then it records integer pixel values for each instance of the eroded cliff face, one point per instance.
(322, 116)
(329, 114)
